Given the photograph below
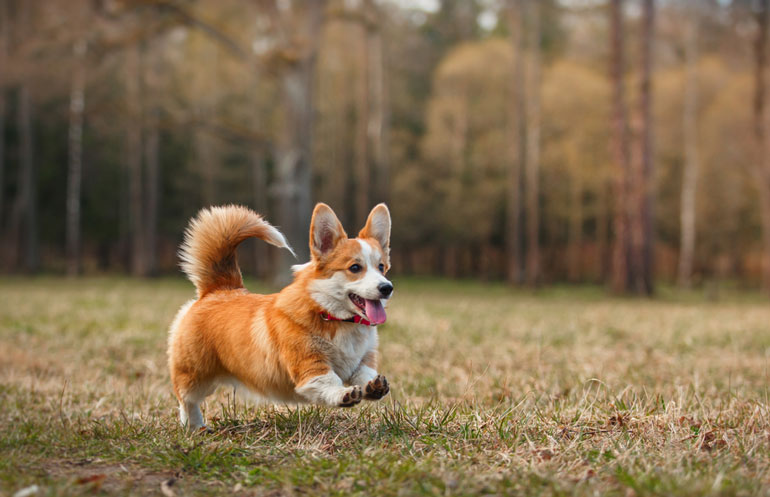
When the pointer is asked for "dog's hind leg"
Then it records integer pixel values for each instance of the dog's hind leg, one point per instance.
(190, 414)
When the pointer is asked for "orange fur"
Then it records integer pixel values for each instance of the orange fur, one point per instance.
(272, 344)
(208, 252)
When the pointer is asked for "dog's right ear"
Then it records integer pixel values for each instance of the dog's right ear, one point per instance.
(326, 231)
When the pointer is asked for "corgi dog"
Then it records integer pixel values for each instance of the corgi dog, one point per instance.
(313, 342)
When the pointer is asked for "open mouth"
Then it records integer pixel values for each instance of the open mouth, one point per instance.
(373, 310)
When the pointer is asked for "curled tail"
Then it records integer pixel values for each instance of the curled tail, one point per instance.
(208, 255)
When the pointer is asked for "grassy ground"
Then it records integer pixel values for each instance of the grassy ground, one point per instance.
(493, 392)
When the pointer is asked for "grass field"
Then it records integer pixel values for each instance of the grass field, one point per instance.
(494, 392)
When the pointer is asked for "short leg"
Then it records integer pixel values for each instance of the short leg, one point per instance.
(375, 385)
(363, 375)
(327, 389)
(190, 415)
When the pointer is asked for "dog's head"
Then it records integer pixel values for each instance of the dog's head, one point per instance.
(349, 274)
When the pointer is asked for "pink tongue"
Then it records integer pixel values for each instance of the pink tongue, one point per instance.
(375, 311)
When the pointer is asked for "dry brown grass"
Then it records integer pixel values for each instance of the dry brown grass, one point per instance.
(493, 392)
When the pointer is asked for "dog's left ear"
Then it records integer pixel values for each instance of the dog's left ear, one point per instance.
(378, 226)
(325, 231)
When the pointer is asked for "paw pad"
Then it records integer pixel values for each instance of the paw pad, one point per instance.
(351, 397)
(377, 388)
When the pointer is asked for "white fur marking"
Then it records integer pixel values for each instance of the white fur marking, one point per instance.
(325, 389)
(350, 348)
(366, 249)
(296, 268)
(190, 415)
(331, 294)
(279, 240)
(363, 375)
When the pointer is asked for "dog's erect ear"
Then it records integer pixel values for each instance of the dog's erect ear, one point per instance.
(325, 231)
(378, 226)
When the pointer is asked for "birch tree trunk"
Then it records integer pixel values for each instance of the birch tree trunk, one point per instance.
(294, 151)
(532, 167)
(691, 160)
(377, 128)
(361, 150)
(619, 149)
(516, 149)
(207, 153)
(75, 172)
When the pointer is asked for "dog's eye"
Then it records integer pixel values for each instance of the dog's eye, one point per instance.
(382, 267)
(355, 268)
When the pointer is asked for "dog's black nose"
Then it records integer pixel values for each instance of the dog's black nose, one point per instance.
(385, 289)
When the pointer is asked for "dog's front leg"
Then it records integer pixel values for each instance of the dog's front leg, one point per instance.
(327, 389)
(375, 385)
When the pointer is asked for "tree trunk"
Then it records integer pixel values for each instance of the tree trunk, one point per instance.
(516, 149)
(377, 127)
(294, 151)
(27, 252)
(602, 231)
(152, 160)
(361, 150)
(207, 153)
(151, 112)
(75, 172)
(207, 160)
(4, 27)
(532, 167)
(644, 178)
(691, 165)
(259, 185)
(619, 150)
(762, 169)
(134, 161)
(575, 228)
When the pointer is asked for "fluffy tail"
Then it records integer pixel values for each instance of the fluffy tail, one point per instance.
(208, 255)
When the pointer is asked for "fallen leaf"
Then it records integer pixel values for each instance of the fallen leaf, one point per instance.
(96, 480)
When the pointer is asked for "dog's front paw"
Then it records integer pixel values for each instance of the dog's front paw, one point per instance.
(377, 388)
(351, 397)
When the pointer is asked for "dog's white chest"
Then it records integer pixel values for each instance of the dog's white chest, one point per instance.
(350, 346)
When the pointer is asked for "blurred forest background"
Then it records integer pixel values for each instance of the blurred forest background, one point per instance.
(619, 142)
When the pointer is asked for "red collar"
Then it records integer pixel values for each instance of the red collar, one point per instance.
(355, 319)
